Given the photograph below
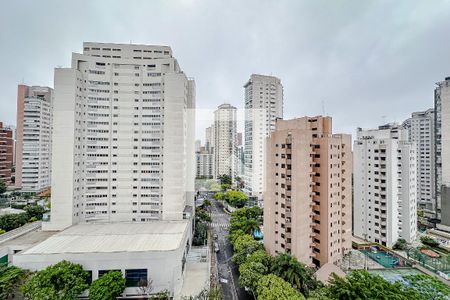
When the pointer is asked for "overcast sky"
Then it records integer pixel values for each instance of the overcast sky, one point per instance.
(362, 62)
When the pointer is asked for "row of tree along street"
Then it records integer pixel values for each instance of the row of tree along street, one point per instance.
(282, 277)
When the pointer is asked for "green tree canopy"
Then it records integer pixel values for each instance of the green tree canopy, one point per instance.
(363, 285)
(10, 279)
(243, 246)
(272, 287)
(225, 179)
(250, 274)
(108, 287)
(297, 274)
(13, 221)
(62, 281)
(35, 211)
(235, 198)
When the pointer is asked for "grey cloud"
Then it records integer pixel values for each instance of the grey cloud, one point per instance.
(362, 59)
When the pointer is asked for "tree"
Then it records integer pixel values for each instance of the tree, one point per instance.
(199, 234)
(107, 287)
(13, 221)
(2, 187)
(201, 215)
(243, 246)
(10, 279)
(235, 198)
(401, 244)
(35, 211)
(297, 274)
(429, 241)
(260, 256)
(62, 281)
(206, 203)
(272, 287)
(225, 186)
(363, 285)
(250, 274)
(225, 179)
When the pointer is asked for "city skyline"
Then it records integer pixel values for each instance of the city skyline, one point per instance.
(315, 44)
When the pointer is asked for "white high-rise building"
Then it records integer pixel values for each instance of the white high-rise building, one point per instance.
(384, 174)
(205, 163)
(33, 140)
(225, 141)
(442, 151)
(263, 105)
(123, 140)
(421, 131)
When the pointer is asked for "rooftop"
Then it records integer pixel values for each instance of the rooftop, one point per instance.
(114, 237)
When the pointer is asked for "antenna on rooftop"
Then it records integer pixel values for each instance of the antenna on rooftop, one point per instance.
(323, 108)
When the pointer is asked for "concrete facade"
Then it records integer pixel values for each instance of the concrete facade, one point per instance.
(123, 139)
(205, 163)
(308, 201)
(263, 105)
(442, 141)
(6, 154)
(385, 199)
(33, 139)
(152, 251)
(225, 141)
(421, 131)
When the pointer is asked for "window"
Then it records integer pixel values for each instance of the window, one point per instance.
(133, 276)
(103, 272)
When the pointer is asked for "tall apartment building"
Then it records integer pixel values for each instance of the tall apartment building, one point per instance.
(225, 141)
(442, 150)
(421, 131)
(209, 138)
(33, 138)
(308, 201)
(385, 199)
(6, 154)
(205, 163)
(123, 143)
(263, 105)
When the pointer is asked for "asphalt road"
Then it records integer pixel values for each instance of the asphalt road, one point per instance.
(226, 268)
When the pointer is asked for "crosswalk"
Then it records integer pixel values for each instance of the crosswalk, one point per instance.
(221, 225)
(218, 215)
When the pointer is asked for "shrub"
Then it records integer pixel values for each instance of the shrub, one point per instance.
(108, 287)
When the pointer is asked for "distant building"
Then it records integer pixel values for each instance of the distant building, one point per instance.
(263, 105)
(238, 139)
(308, 201)
(384, 175)
(209, 138)
(198, 144)
(421, 131)
(6, 154)
(225, 141)
(205, 163)
(34, 138)
(442, 150)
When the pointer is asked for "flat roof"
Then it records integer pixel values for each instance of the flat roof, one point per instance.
(114, 237)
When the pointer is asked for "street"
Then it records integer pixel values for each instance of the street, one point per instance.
(226, 268)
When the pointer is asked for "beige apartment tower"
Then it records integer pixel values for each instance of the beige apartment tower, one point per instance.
(307, 203)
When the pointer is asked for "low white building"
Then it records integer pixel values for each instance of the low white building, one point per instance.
(141, 251)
